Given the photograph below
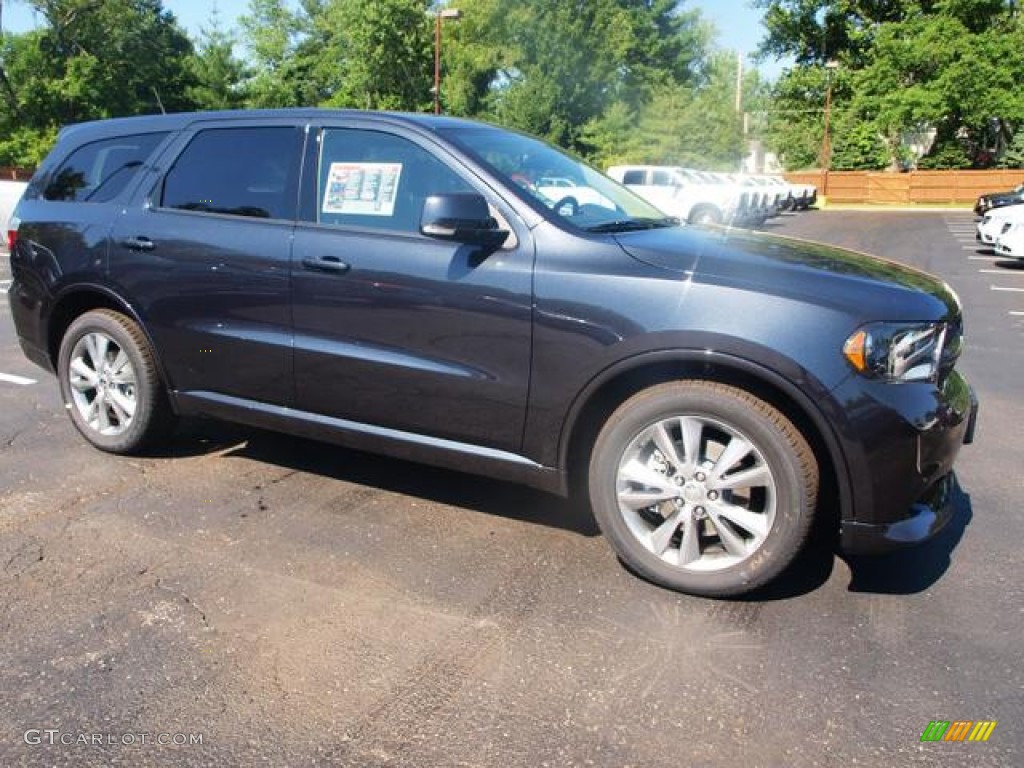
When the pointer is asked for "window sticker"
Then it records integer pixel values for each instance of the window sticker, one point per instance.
(368, 189)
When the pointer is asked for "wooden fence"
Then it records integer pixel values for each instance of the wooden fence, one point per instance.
(15, 174)
(916, 187)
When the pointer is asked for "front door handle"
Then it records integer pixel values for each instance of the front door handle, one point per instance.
(138, 244)
(326, 264)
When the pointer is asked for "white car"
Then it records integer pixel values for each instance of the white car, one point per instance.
(680, 193)
(1011, 241)
(993, 223)
(556, 189)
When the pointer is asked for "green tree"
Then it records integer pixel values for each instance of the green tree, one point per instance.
(952, 65)
(371, 54)
(272, 33)
(219, 76)
(553, 68)
(89, 60)
(795, 118)
(388, 54)
(1014, 157)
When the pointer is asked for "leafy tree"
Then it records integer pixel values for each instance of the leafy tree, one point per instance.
(388, 54)
(857, 145)
(89, 60)
(553, 68)
(371, 54)
(272, 33)
(1014, 157)
(949, 64)
(218, 74)
(795, 122)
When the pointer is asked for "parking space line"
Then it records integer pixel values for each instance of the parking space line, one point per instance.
(984, 258)
(1016, 313)
(1007, 290)
(1004, 272)
(21, 381)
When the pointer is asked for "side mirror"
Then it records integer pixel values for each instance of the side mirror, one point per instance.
(462, 218)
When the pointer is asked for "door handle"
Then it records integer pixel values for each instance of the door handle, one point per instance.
(138, 244)
(326, 264)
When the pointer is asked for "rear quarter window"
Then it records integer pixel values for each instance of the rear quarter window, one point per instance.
(99, 171)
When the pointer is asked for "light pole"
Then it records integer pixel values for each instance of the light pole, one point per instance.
(826, 145)
(442, 13)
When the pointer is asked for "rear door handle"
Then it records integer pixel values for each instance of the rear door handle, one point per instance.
(326, 264)
(138, 244)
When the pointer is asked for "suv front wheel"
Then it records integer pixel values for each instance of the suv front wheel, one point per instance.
(110, 383)
(703, 488)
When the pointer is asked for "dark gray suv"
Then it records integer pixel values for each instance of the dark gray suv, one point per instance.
(459, 294)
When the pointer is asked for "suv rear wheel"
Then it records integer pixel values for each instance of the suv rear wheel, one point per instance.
(110, 383)
(703, 488)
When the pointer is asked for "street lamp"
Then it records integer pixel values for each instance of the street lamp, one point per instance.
(442, 13)
(826, 145)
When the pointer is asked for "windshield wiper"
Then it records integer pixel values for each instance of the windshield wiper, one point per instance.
(632, 225)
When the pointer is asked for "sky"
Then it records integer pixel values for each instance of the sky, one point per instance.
(738, 25)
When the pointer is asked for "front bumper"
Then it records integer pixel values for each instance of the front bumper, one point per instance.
(927, 517)
(906, 495)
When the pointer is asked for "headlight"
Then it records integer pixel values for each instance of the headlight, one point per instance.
(897, 351)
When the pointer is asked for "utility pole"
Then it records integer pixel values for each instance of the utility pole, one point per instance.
(439, 15)
(739, 82)
(826, 142)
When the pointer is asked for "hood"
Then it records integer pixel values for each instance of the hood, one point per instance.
(814, 272)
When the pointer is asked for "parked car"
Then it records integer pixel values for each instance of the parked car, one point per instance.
(804, 195)
(999, 199)
(993, 223)
(753, 208)
(398, 283)
(1011, 241)
(680, 193)
(778, 194)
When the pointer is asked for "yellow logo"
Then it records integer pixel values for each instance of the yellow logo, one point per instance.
(958, 730)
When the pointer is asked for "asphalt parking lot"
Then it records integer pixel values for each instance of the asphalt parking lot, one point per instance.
(253, 599)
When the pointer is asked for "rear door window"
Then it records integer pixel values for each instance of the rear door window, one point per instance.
(250, 171)
(662, 179)
(98, 172)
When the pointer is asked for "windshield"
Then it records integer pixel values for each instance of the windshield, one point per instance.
(570, 189)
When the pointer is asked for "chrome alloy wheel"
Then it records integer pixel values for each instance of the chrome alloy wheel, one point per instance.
(696, 493)
(103, 384)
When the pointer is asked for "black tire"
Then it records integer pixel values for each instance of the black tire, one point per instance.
(778, 508)
(704, 215)
(97, 396)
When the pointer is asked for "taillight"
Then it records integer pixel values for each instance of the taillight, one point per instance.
(12, 233)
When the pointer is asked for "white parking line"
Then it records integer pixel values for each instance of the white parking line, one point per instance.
(1007, 290)
(1004, 272)
(21, 381)
(1016, 314)
(983, 258)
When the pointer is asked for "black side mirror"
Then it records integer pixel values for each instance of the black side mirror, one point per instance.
(461, 217)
